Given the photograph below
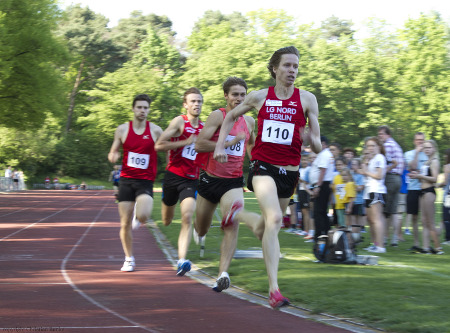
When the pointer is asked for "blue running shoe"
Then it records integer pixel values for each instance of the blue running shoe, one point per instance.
(183, 267)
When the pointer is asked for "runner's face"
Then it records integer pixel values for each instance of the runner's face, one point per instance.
(235, 96)
(141, 110)
(193, 104)
(287, 70)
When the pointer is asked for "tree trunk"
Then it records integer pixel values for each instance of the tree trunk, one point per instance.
(73, 94)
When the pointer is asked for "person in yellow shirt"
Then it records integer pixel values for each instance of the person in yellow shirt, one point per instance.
(344, 195)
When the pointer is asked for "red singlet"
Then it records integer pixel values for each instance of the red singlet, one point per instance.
(236, 154)
(139, 155)
(181, 160)
(279, 121)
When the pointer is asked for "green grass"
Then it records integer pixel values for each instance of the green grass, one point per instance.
(404, 293)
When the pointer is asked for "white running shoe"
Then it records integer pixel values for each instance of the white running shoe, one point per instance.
(369, 248)
(378, 249)
(197, 238)
(222, 283)
(128, 265)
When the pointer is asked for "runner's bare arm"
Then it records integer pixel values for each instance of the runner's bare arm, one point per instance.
(156, 132)
(253, 100)
(174, 130)
(114, 152)
(204, 143)
(309, 102)
(251, 129)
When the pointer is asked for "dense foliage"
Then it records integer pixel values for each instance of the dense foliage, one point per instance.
(67, 79)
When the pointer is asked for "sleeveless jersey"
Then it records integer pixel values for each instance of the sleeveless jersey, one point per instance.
(233, 168)
(278, 140)
(139, 155)
(181, 160)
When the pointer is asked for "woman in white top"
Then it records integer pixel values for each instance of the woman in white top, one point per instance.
(428, 177)
(374, 168)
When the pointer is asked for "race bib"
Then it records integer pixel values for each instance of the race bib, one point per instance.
(340, 191)
(235, 150)
(189, 152)
(277, 132)
(139, 161)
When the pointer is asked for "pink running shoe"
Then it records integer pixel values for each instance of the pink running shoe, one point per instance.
(276, 300)
(229, 219)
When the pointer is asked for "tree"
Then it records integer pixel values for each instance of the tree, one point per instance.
(93, 53)
(30, 83)
(422, 73)
(130, 32)
(334, 28)
(214, 25)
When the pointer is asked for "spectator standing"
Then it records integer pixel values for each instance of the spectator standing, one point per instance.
(15, 177)
(446, 197)
(349, 154)
(338, 188)
(374, 168)
(428, 176)
(357, 214)
(320, 176)
(414, 160)
(304, 195)
(56, 183)
(8, 178)
(393, 180)
(47, 182)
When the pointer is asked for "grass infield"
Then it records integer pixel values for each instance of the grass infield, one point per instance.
(405, 292)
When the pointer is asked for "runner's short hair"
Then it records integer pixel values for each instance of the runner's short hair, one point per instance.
(142, 97)
(233, 81)
(276, 57)
(192, 90)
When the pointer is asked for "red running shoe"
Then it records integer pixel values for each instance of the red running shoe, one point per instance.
(229, 219)
(276, 300)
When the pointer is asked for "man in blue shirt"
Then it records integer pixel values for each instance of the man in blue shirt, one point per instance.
(414, 159)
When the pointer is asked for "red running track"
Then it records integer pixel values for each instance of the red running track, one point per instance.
(60, 258)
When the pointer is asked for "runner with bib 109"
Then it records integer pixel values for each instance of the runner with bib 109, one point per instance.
(273, 176)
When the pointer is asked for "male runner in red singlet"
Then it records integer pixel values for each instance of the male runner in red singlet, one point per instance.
(223, 182)
(283, 111)
(138, 173)
(181, 178)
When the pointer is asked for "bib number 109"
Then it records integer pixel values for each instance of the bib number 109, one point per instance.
(139, 161)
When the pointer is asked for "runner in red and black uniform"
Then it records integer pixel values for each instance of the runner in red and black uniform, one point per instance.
(138, 173)
(223, 182)
(283, 111)
(181, 178)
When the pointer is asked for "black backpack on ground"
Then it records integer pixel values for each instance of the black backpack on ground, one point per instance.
(337, 247)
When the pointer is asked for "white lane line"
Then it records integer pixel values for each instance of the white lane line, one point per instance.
(23, 209)
(43, 219)
(81, 292)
